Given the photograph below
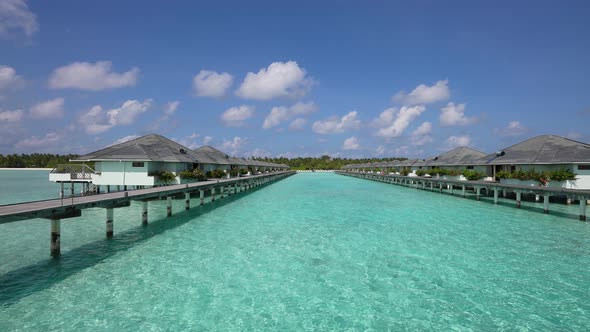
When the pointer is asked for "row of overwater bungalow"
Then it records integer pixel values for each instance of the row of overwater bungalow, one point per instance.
(138, 163)
(531, 162)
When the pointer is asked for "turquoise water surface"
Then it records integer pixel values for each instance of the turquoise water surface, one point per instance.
(310, 252)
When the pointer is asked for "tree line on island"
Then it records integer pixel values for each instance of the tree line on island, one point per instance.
(35, 160)
(325, 162)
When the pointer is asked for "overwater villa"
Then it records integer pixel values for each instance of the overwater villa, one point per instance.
(454, 162)
(141, 162)
(547, 160)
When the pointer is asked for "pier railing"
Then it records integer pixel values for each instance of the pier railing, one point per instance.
(76, 171)
(449, 186)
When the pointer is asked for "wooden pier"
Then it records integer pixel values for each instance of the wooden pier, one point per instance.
(449, 186)
(57, 209)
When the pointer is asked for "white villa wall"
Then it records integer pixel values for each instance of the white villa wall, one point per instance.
(123, 173)
(211, 167)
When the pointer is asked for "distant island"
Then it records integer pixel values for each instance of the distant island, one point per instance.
(47, 160)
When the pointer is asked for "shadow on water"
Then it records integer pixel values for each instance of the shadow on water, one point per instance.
(22, 282)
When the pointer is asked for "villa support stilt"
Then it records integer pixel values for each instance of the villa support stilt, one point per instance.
(546, 203)
(202, 196)
(144, 212)
(169, 206)
(109, 222)
(463, 191)
(518, 198)
(187, 201)
(213, 194)
(583, 208)
(55, 235)
(495, 195)
(478, 193)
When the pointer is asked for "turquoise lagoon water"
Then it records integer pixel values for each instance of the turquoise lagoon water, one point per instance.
(311, 252)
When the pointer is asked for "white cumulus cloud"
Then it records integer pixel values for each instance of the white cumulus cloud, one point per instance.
(11, 116)
(281, 114)
(208, 83)
(170, 108)
(50, 109)
(37, 142)
(336, 125)
(351, 143)
(393, 122)
(279, 79)
(455, 141)
(297, 124)
(15, 15)
(421, 135)
(514, 128)
(454, 115)
(91, 77)
(9, 79)
(96, 120)
(233, 146)
(236, 116)
(424, 94)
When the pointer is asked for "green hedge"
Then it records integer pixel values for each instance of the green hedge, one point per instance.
(559, 175)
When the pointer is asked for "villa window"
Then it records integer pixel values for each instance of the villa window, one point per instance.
(512, 169)
(583, 167)
(469, 167)
(137, 164)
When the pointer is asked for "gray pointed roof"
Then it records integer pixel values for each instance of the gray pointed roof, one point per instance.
(545, 149)
(459, 156)
(217, 156)
(146, 148)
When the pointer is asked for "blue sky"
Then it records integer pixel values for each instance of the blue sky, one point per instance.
(348, 79)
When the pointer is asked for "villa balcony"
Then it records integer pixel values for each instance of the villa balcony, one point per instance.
(71, 173)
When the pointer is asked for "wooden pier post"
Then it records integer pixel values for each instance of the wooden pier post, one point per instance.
(202, 196)
(169, 206)
(55, 235)
(187, 201)
(546, 203)
(495, 195)
(583, 208)
(109, 222)
(518, 200)
(144, 212)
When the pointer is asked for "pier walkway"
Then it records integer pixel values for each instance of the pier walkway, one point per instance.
(449, 186)
(57, 209)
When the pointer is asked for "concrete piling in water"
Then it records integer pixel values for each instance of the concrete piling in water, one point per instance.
(213, 194)
(478, 193)
(495, 195)
(144, 212)
(518, 199)
(109, 222)
(169, 206)
(546, 203)
(583, 208)
(55, 235)
(202, 196)
(187, 201)
(463, 191)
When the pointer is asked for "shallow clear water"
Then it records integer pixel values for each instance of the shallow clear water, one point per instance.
(311, 252)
